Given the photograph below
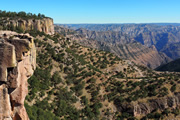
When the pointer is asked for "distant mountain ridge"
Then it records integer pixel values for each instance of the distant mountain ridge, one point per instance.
(114, 37)
(114, 27)
(120, 44)
(165, 37)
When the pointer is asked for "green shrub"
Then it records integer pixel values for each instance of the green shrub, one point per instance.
(173, 88)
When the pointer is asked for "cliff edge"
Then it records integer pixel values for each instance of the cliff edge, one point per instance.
(45, 25)
(17, 64)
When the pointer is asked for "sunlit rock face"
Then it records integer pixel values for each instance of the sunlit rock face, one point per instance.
(17, 64)
(45, 25)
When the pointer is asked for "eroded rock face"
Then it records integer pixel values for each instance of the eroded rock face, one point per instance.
(143, 108)
(45, 25)
(17, 64)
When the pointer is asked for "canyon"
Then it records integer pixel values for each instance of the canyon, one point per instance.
(165, 37)
(86, 74)
(125, 45)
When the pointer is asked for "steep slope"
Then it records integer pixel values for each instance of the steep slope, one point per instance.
(121, 45)
(140, 54)
(17, 64)
(89, 84)
(173, 66)
(172, 50)
(165, 41)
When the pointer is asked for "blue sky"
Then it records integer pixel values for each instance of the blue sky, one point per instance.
(100, 11)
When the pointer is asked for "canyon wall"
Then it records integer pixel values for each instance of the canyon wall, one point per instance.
(125, 47)
(45, 25)
(17, 64)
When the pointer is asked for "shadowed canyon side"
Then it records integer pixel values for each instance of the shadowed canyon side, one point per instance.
(173, 66)
(17, 64)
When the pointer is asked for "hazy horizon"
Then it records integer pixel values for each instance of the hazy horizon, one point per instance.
(121, 23)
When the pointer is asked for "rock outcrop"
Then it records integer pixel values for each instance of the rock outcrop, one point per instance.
(17, 64)
(45, 25)
(143, 108)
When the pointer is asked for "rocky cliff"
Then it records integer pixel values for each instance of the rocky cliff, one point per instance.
(17, 64)
(43, 25)
(143, 108)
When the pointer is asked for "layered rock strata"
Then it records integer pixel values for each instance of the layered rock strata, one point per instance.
(17, 63)
(45, 25)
